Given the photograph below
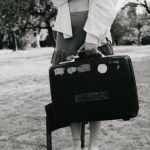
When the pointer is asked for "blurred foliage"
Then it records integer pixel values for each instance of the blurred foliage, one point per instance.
(145, 40)
(19, 18)
(22, 21)
(145, 4)
(130, 26)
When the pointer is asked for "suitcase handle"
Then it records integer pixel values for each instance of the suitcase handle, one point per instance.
(81, 55)
(82, 49)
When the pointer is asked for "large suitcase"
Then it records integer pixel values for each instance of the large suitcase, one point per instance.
(94, 89)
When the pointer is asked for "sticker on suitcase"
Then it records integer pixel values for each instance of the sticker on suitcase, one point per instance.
(84, 68)
(59, 71)
(94, 96)
(102, 68)
(71, 70)
(81, 68)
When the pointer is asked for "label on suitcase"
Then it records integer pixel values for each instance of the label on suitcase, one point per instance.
(94, 89)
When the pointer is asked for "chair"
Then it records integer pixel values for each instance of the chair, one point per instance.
(53, 124)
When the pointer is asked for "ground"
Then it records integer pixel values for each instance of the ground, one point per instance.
(24, 91)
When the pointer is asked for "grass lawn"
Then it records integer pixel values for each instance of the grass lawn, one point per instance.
(24, 91)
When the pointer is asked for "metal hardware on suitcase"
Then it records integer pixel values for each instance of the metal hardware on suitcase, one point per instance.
(94, 89)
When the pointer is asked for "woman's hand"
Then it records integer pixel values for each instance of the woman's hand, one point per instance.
(91, 49)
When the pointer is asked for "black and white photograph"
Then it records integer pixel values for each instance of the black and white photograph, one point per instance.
(74, 74)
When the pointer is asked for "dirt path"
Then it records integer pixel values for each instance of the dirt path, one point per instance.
(24, 91)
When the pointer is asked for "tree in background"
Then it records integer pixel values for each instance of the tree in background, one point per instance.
(123, 27)
(134, 19)
(129, 25)
(145, 4)
(20, 19)
(14, 19)
(119, 28)
(44, 12)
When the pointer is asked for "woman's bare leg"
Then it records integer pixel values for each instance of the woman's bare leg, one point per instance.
(76, 135)
(94, 135)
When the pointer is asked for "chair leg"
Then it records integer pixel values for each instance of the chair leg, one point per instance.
(48, 134)
(83, 135)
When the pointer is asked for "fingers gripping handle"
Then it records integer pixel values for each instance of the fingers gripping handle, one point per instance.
(82, 54)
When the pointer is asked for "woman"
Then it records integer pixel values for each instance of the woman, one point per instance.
(82, 23)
